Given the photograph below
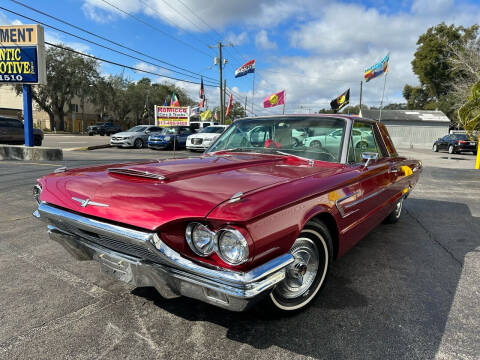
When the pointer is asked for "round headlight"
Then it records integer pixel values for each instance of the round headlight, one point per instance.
(167, 138)
(37, 190)
(232, 247)
(200, 239)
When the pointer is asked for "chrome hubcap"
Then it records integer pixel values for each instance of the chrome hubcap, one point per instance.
(301, 274)
(398, 208)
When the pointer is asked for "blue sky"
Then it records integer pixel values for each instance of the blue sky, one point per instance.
(313, 49)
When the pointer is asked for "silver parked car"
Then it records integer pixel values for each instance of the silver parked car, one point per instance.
(135, 137)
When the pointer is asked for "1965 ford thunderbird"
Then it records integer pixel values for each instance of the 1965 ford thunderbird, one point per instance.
(260, 216)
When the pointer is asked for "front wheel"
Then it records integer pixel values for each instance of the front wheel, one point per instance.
(312, 253)
(435, 148)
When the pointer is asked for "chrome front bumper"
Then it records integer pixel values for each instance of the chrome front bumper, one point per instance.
(143, 259)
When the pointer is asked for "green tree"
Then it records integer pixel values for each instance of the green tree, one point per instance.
(469, 113)
(120, 105)
(66, 74)
(434, 70)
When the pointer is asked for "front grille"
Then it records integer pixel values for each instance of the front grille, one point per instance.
(110, 242)
(197, 141)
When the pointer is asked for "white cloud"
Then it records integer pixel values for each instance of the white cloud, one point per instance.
(262, 42)
(237, 39)
(217, 13)
(55, 38)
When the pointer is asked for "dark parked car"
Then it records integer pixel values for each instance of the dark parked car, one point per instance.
(12, 132)
(455, 143)
(103, 129)
(165, 139)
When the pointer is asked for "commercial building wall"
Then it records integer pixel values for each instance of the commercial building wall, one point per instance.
(12, 105)
(407, 136)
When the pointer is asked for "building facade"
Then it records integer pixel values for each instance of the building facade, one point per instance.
(11, 105)
(412, 128)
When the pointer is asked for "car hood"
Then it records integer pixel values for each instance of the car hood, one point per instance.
(191, 187)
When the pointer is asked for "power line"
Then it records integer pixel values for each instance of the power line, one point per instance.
(122, 65)
(156, 28)
(179, 13)
(110, 41)
(101, 45)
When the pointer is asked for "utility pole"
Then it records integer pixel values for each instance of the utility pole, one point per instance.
(221, 63)
(361, 91)
(224, 99)
(245, 106)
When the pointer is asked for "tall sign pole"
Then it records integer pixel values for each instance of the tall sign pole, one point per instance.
(22, 61)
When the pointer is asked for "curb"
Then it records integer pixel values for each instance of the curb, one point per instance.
(85, 148)
(22, 152)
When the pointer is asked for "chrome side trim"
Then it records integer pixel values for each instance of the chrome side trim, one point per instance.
(369, 196)
(341, 209)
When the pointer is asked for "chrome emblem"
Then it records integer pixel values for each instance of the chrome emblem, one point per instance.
(86, 202)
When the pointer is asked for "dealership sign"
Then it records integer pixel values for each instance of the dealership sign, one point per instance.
(22, 54)
(172, 115)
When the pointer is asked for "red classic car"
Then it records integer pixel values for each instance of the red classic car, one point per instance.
(260, 216)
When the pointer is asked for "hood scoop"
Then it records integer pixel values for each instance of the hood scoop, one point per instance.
(136, 173)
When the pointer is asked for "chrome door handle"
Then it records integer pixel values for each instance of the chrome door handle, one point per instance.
(394, 170)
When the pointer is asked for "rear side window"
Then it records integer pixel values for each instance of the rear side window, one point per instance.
(387, 140)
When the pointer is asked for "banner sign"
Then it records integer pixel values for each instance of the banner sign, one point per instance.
(22, 54)
(172, 115)
(248, 67)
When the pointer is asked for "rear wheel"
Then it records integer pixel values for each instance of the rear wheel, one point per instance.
(435, 148)
(37, 141)
(395, 214)
(316, 144)
(138, 144)
(451, 150)
(312, 252)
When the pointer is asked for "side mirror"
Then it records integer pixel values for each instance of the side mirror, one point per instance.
(147, 131)
(369, 156)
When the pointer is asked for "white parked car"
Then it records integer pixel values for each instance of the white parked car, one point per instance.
(205, 137)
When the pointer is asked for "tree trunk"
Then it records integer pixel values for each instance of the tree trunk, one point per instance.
(84, 120)
(61, 120)
(51, 115)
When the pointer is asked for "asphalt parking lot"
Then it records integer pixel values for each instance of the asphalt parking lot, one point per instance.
(406, 291)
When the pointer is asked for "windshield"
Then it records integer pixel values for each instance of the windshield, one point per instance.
(137, 129)
(169, 131)
(213, 130)
(313, 138)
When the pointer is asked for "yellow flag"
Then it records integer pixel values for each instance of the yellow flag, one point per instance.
(206, 115)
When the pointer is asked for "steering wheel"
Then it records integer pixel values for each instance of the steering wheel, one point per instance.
(254, 132)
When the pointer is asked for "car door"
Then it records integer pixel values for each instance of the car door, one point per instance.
(445, 141)
(15, 130)
(366, 204)
(182, 136)
(4, 134)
